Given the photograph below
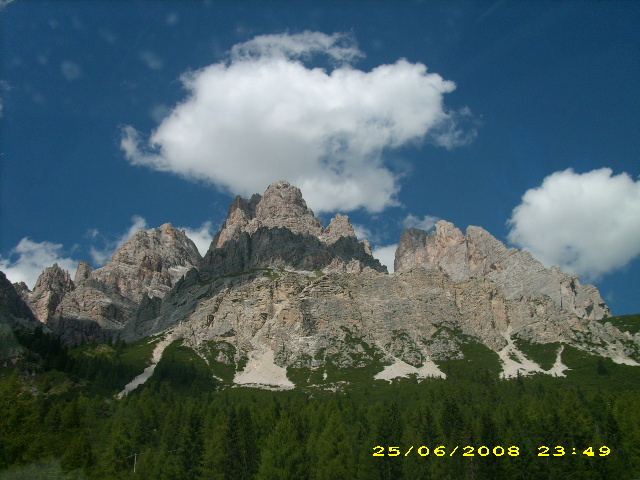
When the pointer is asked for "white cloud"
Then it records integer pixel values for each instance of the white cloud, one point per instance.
(426, 224)
(587, 224)
(70, 70)
(29, 259)
(386, 255)
(4, 3)
(339, 47)
(363, 232)
(101, 255)
(151, 60)
(202, 236)
(264, 116)
(32, 258)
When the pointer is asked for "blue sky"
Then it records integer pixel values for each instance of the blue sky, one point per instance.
(520, 117)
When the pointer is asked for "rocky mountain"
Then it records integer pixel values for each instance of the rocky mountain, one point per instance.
(50, 289)
(276, 288)
(279, 230)
(147, 265)
(479, 255)
(13, 309)
(277, 291)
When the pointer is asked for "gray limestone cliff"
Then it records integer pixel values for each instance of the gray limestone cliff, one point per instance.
(13, 309)
(51, 287)
(480, 255)
(279, 230)
(275, 280)
(147, 265)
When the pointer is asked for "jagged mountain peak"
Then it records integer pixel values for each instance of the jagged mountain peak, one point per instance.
(278, 229)
(166, 241)
(478, 254)
(53, 275)
(149, 264)
(52, 285)
(281, 206)
(13, 309)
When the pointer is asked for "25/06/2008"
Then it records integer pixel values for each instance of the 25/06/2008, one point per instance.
(440, 451)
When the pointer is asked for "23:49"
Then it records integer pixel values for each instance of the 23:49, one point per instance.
(543, 451)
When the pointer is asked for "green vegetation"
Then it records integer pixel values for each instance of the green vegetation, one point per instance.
(222, 370)
(45, 470)
(364, 363)
(544, 354)
(626, 323)
(479, 362)
(59, 418)
(182, 369)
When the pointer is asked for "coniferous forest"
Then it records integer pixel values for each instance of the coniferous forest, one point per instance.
(59, 418)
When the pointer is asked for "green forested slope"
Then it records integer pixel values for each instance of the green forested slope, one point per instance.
(58, 416)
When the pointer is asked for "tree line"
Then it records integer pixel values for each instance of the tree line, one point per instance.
(166, 432)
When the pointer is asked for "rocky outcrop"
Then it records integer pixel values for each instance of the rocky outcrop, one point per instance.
(480, 255)
(13, 309)
(278, 230)
(51, 287)
(148, 265)
(82, 273)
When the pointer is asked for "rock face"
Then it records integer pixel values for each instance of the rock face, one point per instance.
(416, 317)
(279, 230)
(13, 309)
(50, 289)
(82, 273)
(479, 255)
(148, 265)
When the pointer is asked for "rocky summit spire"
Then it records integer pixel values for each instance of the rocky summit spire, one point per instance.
(279, 229)
(52, 285)
(281, 206)
(83, 272)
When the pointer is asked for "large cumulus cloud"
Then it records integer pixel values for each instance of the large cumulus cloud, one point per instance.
(265, 114)
(587, 223)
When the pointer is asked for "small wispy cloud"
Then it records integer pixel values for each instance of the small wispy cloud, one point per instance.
(70, 70)
(103, 253)
(159, 112)
(4, 3)
(151, 60)
(425, 223)
(171, 19)
(362, 232)
(4, 87)
(28, 259)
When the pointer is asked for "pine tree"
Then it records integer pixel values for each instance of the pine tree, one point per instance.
(283, 457)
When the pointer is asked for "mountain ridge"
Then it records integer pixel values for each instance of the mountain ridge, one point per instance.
(276, 286)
